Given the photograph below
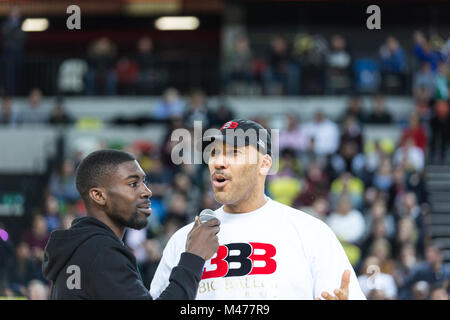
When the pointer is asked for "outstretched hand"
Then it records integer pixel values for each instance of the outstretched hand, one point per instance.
(342, 292)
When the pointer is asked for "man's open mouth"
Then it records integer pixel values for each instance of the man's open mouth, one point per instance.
(219, 181)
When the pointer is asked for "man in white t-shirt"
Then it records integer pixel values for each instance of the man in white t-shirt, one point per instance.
(267, 250)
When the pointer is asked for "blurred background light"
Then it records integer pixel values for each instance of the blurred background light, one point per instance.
(35, 24)
(177, 23)
(3, 235)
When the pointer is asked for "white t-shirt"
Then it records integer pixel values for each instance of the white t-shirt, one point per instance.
(325, 134)
(274, 252)
(349, 227)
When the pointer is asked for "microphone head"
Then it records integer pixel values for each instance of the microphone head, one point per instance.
(206, 214)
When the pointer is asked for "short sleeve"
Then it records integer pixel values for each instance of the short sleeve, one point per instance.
(328, 263)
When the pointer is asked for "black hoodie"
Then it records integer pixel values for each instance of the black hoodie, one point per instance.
(88, 261)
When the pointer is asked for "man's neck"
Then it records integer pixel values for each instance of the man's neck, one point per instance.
(118, 229)
(247, 205)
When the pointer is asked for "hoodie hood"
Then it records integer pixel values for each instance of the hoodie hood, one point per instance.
(62, 244)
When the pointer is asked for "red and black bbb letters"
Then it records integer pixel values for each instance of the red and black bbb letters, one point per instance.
(229, 125)
(246, 259)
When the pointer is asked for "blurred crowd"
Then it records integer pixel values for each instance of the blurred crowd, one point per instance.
(312, 64)
(372, 194)
(303, 63)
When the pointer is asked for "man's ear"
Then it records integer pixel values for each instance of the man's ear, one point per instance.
(266, 164)
(98, 195)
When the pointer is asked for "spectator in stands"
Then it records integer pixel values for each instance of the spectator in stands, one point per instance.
(398, 187)
(319, 208)
(409, 156)
(382, 249)
(59, 115)
(352, 132)
(282, 75)
(13, 43)
(375, 152)
(433, 271)
(294, 136)
(424, 81)
(407, 207)
(238, 66)
(37, 237)
(378, 230)
(8, 115)
(310, 51)
(424, 52)
(323, 134)
(177, 206)
(372, 278)
(126, 70)
(339, 63)
(349, 159)
(222, 114)
(35, 112)
(378, 212)
(62, 182)
(406, 260)
(182, 184)
(285, 186)
(21, 270)
(407, 234)
(379, 114)
(171, 225)
(416, 132)
(314, 186)
(383, 179)
(441, 82)
(440, 131)
(354, 109)
(101, 77)
(344, 217)
(197, 109)
(52, 214)
(392, 62)
(169, 106)
(150, 77)
(346, 183)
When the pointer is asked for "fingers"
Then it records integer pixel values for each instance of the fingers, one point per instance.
(212, 223)
(328, 296)
(340, 294)
(345, 280)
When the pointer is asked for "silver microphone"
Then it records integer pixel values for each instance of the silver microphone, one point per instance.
(206, 214)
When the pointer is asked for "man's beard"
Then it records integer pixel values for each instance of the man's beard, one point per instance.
(134, 222)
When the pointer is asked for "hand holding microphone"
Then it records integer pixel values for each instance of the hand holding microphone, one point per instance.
(202, 240)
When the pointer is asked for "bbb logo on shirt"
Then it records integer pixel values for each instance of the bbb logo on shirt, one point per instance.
(246, 257)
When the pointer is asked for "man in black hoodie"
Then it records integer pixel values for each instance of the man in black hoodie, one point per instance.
(90, 261)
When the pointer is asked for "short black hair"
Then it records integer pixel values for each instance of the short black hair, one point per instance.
(96, 167)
